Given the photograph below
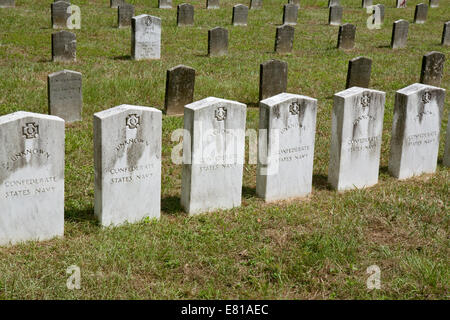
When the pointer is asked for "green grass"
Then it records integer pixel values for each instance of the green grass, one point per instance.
(306, 249)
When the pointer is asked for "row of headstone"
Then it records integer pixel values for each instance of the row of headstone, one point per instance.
(146, 32)
(65, 87)
(60, 12)
(127, 155)
(403, 4)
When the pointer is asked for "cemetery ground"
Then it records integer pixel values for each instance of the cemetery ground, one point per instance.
(313, 248)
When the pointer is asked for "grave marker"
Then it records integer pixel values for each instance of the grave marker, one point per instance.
(185, 15)
(357, 126)
(434, 3)
(256, 4)
(116, 3)
(335, 15)
(333, 3)
(399, 34)
(272, 78)
(240, 15)
(284, 39)
(31, 177)
(296, 2)
(446, 160)
(446, 34)
(290, 14)
(145, 37)
(7, 4)
(127, 163)
(60, 12)
(180, 85)
(358, 74)
(401, 3)
(124, 15)
(64, 46)
(212, 4)
(287, 127)
(415, 130)
(346, 37)
(420, 15)
(65, 98)
(217, 42)
(432, 68)
(366, 3)
(165, 4)
(213, 155)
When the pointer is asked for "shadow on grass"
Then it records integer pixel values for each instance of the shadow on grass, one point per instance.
(81, 215)
(124, 57)
(320, 182)
(171, 205)
(248, 193)
(384, 46)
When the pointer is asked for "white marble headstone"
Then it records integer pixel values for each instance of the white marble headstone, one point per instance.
(145, 37)
(213, 155)
(415, 130)
(31, 177)
(357, 126)
(127, 158)
(287, 127)
(446, 160)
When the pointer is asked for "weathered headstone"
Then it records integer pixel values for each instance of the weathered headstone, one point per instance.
(446, 160)
(401, 3)
(64, 46)
(287, 126)
(145, 37)
(213, 155)
(212, 4)
(346, 37)
(357, 126)
(165, 4)
(432, 68)
(359, 70)
(65, 98)
(31, 177)
(446, 34)
(421, 13)
(333, 3)
(415, 130)
(240, 15)
(7, 4)
(284, 39)
(124, 15)
(127, 163)
(217, 42)
(380, 11)
(256, 4)
(180, 85)
(185, 15)
(296, 2)
(366, 3)
(335, 16)
(116, 3)
(434, 3)
(60, 12)
(290, 14)
(399, 34)
(272, 78)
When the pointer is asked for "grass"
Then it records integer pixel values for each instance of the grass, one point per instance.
(315, 248)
